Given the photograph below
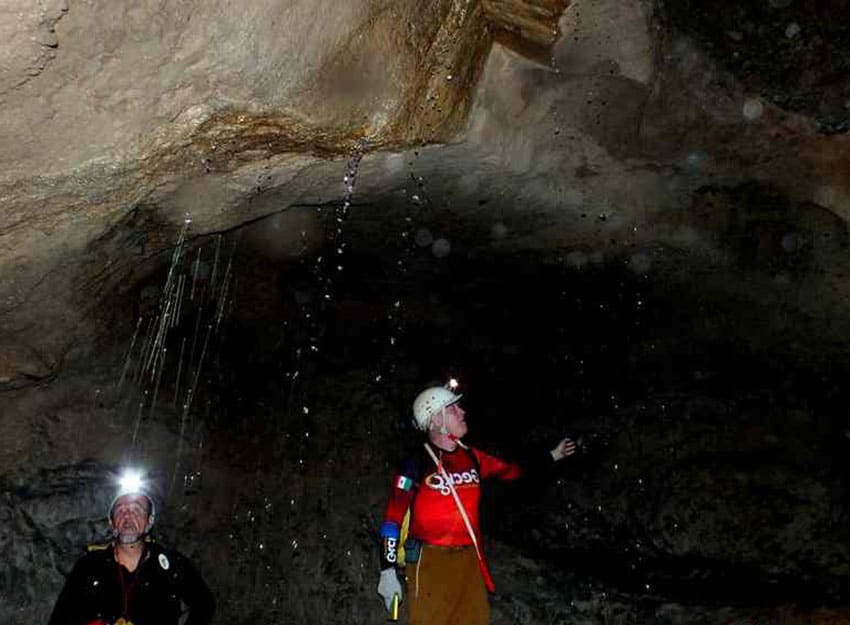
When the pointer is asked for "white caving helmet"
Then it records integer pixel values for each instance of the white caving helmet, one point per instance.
(133, 483)
(431, 401)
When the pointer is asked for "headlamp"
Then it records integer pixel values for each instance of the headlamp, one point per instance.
(131, 481)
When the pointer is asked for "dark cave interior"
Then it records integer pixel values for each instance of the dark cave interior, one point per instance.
(673, 298)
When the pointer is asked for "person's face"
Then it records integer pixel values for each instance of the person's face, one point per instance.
(130, 517)
(455, 422)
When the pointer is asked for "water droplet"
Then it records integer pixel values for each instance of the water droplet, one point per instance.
(640, 263)
(695, 160)
(423, 237)
(790, 242)
(753, 109)
(441, 248)
(576, 259)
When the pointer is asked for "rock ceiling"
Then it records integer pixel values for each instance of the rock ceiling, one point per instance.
(605, 121)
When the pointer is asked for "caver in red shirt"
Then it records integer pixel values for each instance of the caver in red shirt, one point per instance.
(434, 517)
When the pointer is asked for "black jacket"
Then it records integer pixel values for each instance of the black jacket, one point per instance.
(165, 579)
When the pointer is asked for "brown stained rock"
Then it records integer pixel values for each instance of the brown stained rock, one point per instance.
(229, 139)
(150, 104)
(530, 27)
(446, 72)
(168, 109)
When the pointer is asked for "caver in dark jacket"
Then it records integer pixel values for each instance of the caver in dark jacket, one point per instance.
(99, 590)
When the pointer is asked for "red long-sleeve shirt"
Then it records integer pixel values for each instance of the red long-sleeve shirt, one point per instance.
(434, 517)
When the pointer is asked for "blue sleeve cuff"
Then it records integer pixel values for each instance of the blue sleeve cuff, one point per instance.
(390, 530)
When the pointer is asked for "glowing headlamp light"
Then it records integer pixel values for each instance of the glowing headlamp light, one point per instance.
(131, 482)
(452, 384)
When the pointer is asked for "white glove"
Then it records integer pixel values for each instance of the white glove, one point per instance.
(389, 586)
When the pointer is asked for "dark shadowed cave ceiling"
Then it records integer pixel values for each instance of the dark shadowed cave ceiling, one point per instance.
(619, 219)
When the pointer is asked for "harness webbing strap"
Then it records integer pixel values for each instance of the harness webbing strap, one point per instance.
(488, 581)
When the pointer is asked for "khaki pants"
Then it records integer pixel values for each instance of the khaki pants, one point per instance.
(446, 588)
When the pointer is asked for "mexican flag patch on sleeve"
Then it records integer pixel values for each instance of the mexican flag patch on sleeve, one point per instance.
(404, 483)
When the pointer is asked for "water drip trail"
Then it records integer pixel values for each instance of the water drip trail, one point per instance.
(386, 361)
(198, 319)
(195, 267)
(181, 285)
(215, 264)
(146, 361)
(190, 395)
(224, 291)
(218, 308)
(158, 380)
(352, 167)
(293, 429)
(137, 377)
(316, 315)
(142, 402)
(128, 357)
(179, 371)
